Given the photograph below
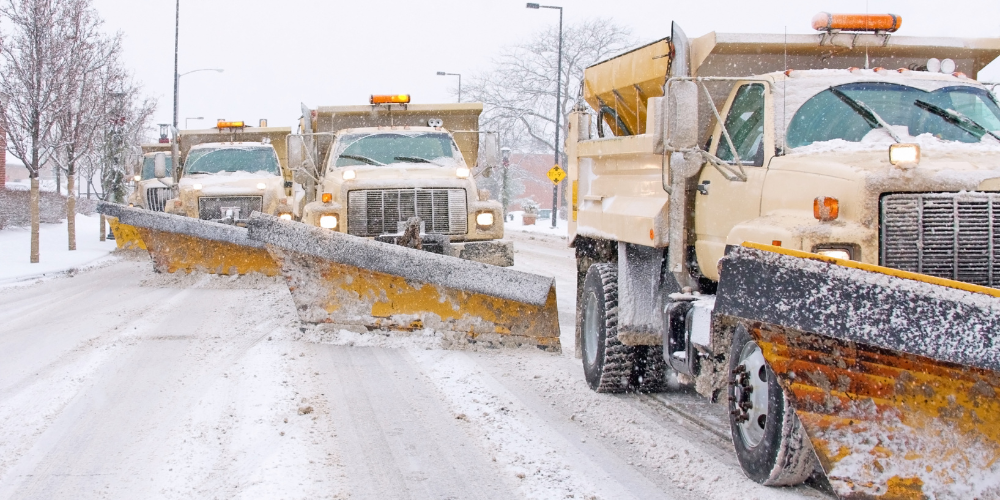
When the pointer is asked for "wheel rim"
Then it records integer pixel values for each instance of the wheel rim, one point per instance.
(750, 394)
(590, 332)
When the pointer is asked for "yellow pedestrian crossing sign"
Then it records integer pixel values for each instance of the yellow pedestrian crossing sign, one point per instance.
(556, 174)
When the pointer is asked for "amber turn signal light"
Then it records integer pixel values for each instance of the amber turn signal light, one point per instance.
(222, 125)
(826, 208)
(327, 197)
(390, 99)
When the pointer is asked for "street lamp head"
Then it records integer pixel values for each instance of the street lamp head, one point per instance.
(533, 6)
(441, 73)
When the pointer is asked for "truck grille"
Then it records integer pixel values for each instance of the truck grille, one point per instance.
(156, 198)
(212, 208)
(373, 212)
(948, 235)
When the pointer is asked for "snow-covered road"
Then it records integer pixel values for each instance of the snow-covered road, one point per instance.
(117, 382)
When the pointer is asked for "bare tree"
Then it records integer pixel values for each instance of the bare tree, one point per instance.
(31, 84)
(519, 93)
(92, 57)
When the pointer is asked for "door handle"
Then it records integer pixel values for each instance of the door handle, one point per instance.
(703, 187)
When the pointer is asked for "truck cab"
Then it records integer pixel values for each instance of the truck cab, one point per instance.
(149, 193)
(374, 179)
(231, 171)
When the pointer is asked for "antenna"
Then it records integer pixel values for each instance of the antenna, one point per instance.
(784, 93)
(867, 25)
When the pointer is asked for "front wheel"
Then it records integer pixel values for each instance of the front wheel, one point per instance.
(771, 445)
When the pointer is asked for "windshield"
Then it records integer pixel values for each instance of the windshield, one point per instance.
(826, 116)
(149, 164)
(213, 161)
(385, 148)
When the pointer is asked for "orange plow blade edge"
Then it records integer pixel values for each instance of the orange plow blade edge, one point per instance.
(894, 375)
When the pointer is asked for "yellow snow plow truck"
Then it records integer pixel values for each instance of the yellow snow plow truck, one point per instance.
(805, 228)
(372, 170)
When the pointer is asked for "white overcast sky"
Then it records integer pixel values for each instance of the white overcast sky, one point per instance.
(278, 54)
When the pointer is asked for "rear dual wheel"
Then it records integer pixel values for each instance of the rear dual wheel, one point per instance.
(609, 365)
(771, 445)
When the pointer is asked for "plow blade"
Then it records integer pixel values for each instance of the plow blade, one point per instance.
(894, 375)
(178, 243)
(353, 282)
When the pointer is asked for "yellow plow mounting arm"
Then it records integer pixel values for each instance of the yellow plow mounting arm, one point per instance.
(178, 243)
(894, 375)
(350, 281)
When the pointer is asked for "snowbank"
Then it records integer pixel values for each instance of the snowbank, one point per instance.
(540, 226)
(15, 249)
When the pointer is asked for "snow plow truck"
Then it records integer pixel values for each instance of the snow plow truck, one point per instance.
(368, 170)
(805, 228)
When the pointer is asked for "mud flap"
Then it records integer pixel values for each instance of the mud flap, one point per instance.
(178, 243)
(349, 281)
(894, 375)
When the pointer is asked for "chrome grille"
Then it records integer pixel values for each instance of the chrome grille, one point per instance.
(211, 207)
(156, 198)
(373, 212)
(948, 235)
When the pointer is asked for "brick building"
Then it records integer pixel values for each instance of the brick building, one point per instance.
(537, 186)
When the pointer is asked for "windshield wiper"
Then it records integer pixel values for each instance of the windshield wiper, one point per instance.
(866, 112)
(415, 159)
(957, 119)
(198, 172)
(364, 159)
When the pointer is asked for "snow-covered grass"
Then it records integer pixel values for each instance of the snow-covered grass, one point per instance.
(54, 254)
(540, 226)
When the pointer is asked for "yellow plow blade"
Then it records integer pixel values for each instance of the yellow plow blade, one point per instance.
(178, 243)
(126, 236)
(354, 282)
(893, 375)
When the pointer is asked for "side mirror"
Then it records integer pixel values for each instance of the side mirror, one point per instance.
(491, 151)
(160, 165)
(488, 172)
(682, 115)
(298, 161)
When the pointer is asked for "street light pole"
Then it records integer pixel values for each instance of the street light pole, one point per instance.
(555, 187)
(174, 148)
(442, 73)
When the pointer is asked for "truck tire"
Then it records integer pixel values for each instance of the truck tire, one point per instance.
(607, 363)
(651, 368)
(771, 445)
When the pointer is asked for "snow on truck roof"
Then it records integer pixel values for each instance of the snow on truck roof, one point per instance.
(232, 145)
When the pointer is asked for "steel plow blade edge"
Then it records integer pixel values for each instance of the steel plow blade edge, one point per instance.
(894, 375)
(344, 280)
(178, 243)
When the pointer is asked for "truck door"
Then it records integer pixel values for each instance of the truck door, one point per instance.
(721, 203)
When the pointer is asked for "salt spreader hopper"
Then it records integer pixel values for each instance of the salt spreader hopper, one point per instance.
(893, 375)
(348, 281)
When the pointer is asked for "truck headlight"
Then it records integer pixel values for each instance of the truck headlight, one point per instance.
(137, 178)
(462, 172)
(196, 187)
(485, 219)
(839, 252)
(349, 174)
(285, 216)
(328, 221)
(261, 185)
(904, 154)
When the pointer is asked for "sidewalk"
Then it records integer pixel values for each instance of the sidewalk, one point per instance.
(15, 249)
